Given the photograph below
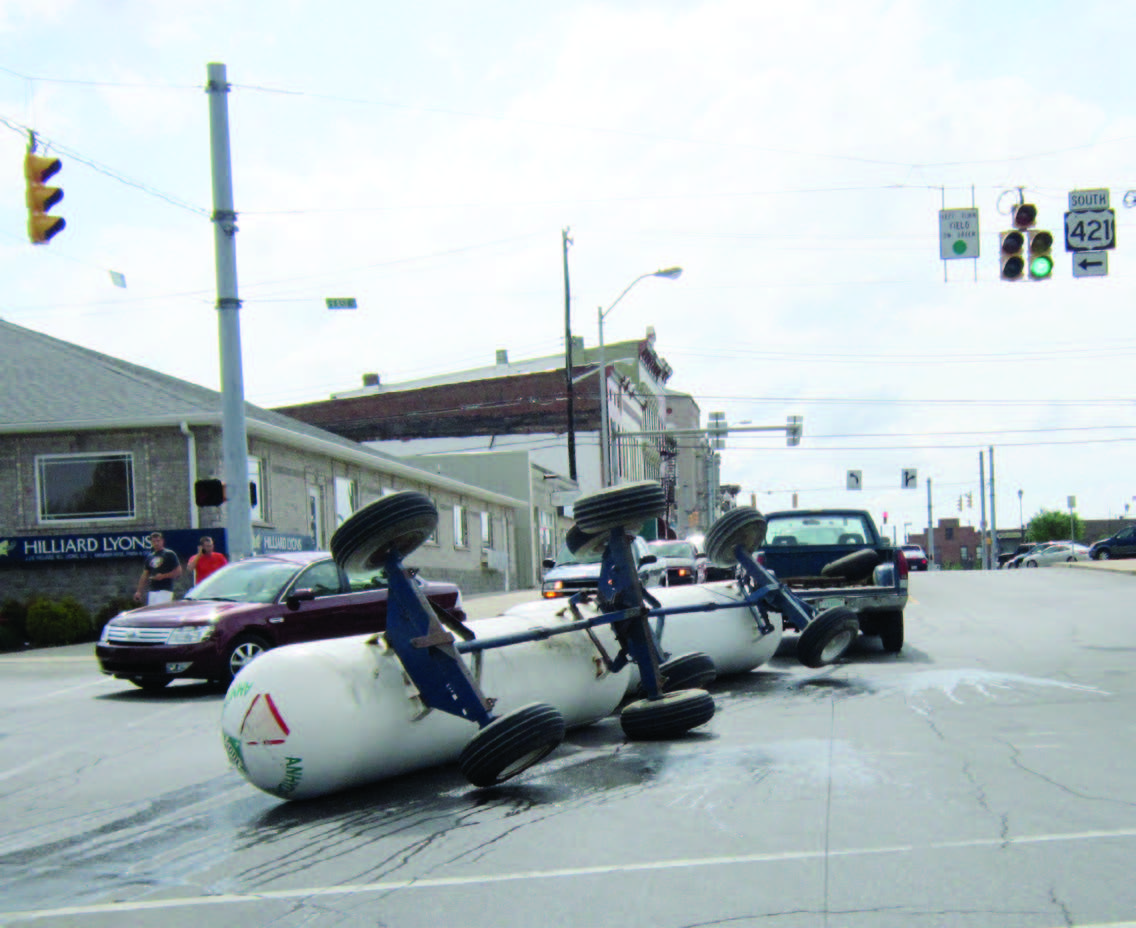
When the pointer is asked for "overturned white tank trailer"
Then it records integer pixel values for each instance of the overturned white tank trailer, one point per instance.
(495, 695)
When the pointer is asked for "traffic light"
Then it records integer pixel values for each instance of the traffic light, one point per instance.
(210, 492)
(1040, 247)
(42, 227)
(1012, 245)
(793, 430)
(960, 504)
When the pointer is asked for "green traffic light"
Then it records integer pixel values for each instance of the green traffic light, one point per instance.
(1041, 267)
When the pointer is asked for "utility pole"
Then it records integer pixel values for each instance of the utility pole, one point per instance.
(985, 559)
(930, 525)
(234, 436)
(993, 520)
(566, 240)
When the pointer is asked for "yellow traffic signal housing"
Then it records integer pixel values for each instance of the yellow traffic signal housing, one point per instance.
(1013, 244)
(1040, 248)
(42, 227)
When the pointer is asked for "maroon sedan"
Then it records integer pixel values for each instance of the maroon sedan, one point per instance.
(246, 608)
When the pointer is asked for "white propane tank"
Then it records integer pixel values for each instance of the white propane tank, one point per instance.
(310, 719)
(732, 637)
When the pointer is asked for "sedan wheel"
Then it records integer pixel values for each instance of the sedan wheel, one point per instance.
(242, 652)
(1031, 563)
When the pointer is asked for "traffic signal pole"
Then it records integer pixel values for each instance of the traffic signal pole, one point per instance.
(234, 436)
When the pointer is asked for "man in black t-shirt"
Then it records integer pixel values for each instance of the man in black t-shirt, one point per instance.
(162, 568)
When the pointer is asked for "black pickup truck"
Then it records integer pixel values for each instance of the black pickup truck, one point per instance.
(837, 557)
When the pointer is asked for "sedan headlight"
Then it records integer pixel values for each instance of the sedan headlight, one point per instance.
(189, 634)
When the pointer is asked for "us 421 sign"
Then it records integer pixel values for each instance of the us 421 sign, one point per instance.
(1090, 230)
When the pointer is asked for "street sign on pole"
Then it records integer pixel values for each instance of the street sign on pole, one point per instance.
(908, 478)
(958, 234)
(1090, 264)
(1090, 229)
(1089, 199)
(854, 480)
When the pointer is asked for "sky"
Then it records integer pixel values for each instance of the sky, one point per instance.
(426, 159)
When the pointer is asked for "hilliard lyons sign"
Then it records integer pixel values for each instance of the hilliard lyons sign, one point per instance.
(96, 546)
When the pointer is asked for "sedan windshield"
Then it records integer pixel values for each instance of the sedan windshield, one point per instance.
(253, 581)
(672, 549)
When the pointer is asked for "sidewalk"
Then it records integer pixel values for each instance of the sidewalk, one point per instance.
(1123, 566)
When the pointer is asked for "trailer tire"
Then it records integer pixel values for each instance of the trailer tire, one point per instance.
(744, 527)
(511, 744)
(691, 671)
(852, 567)
(891, 630)
(627, 506)
(399, 522)
(668, 716)
(827, 637)
(580, 542)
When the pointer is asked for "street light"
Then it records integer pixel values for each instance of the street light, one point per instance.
(670, 273)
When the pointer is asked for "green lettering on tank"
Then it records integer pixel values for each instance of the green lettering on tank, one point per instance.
(237, 690)
(293, 773)
(233, 752)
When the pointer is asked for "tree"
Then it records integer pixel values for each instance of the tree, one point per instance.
(1054, 525)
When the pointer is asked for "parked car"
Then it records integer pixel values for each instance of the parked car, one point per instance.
(1023, 551)
(1006, 556)
(705, 570)
(1056, 553)
(679, 560)
(571, 572)
(1122, 544)
(916, 556)
(246, 608)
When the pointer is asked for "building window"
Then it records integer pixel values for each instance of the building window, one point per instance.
(85, 486)
(461, 528)
(547, 539)
(950, 533)
(486, 530)
(964, 553)
(256, 489)
(346, 499)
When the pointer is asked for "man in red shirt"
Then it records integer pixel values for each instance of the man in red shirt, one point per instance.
(206, 560)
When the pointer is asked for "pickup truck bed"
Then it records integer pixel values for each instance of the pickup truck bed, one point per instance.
(836, 557)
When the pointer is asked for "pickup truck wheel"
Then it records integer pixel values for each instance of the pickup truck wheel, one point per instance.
(852, 567)
(890, 630)
(690, 671)
(667, 717)
(742, 527)
(399, 522)
(511, 744)
(828, 637)
(627, 506)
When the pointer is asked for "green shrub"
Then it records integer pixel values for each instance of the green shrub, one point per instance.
(14, 615)
(56, 622)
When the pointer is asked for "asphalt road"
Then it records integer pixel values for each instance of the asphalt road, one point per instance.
(981, 778)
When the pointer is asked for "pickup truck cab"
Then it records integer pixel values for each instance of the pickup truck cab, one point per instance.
(837, 557)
